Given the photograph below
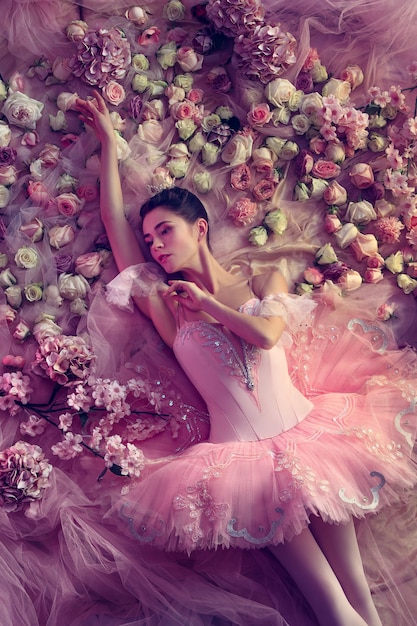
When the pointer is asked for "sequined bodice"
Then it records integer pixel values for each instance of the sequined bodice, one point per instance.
(248, 391)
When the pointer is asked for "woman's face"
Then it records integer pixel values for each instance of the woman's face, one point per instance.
(173, 242)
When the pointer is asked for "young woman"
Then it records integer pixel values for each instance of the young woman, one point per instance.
(277, 465)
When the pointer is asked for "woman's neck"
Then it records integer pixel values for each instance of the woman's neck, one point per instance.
(208, 274)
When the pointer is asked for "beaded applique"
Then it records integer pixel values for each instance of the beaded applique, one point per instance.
(366, 505)
(241, 367)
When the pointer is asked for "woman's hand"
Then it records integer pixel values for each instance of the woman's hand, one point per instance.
(187, 293)
(94, 113)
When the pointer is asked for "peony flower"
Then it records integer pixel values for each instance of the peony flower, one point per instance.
(22, 111)
(60, 236)
(264, 189)
(243, 212)
(26, 257)
(276, 221)
(114, 92)
(89, 264)
(72, 287)
(240, 177)
(258, 236)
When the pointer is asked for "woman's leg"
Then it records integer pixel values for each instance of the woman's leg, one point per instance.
(340, 546)
(305, 562)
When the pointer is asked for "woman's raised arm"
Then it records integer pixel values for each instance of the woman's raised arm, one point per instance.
(123, 242)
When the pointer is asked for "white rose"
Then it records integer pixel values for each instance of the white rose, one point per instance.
(258, 236)
(318, 187)
(73, 286)
(326, 255)
(78, 306)
(58, 122)
(185, 128)
(361, 212)
(66, 183)
(4, 259)
(196, 142)
(395, 262)
(311, 105)
(140, 82)
(238, 150)
(280, 115)
(45, 327)
(7, 278)
(140, 63)
(210, 153)
(346, 235)
(279, 91)
(301, 192)
(3, 91)
(14, 296)
(66, 101)
(178, 167)
(300, 123)
(275, 144)
(26, 257)
(406, 283)
(4, 196)
(178, 151)
(150, 131)
(5, 134)
(122, 147)
(22, 111)
(319, 73)
(202, 182)
(339, 88)
(289, 150)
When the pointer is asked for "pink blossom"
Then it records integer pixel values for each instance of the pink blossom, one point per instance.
(33, 427)
(69, 448)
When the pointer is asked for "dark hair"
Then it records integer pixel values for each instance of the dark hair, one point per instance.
(180, 201)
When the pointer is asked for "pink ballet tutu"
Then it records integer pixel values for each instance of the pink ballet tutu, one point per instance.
(349, 457)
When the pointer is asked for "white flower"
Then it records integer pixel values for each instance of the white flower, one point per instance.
(300, 123)
(279, 91)
(122, 147)
(238, 150)
(22, 111)
(395, 262)
(72, 287)
(5, 134)
(361, 212)
(4, 196)
(58, 122)
(346, 235)
(326, 255)
(26, 257)
(210, 153)
(202, 182)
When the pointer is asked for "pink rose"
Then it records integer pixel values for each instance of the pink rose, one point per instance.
(364, 246)
(76, 30)
(259, 115)
(313, 276)
(350, 281)
(375, 261)
(332, 223)
(182, 110)
(87, 192)
(353, 75)
(149, 36)
(195, 95)
(240, 177)
(335, 194)
(189, 60)
(243, 212)
(50, 155)
(325, 169)
(60, 236)
(33, 230)
(8, 175)
(219, 79)
(303, 163)
(61, 69)
(68, 139)
(114, 92)
(264, 189)
(412, 269)
(10, 360)
(38, 192)
(373, 275)
(68, 204)
(362, 175)
(89, 264)
(66, 101)
(335, 152)
(317, 144)
(30, 138)
(386, 311)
